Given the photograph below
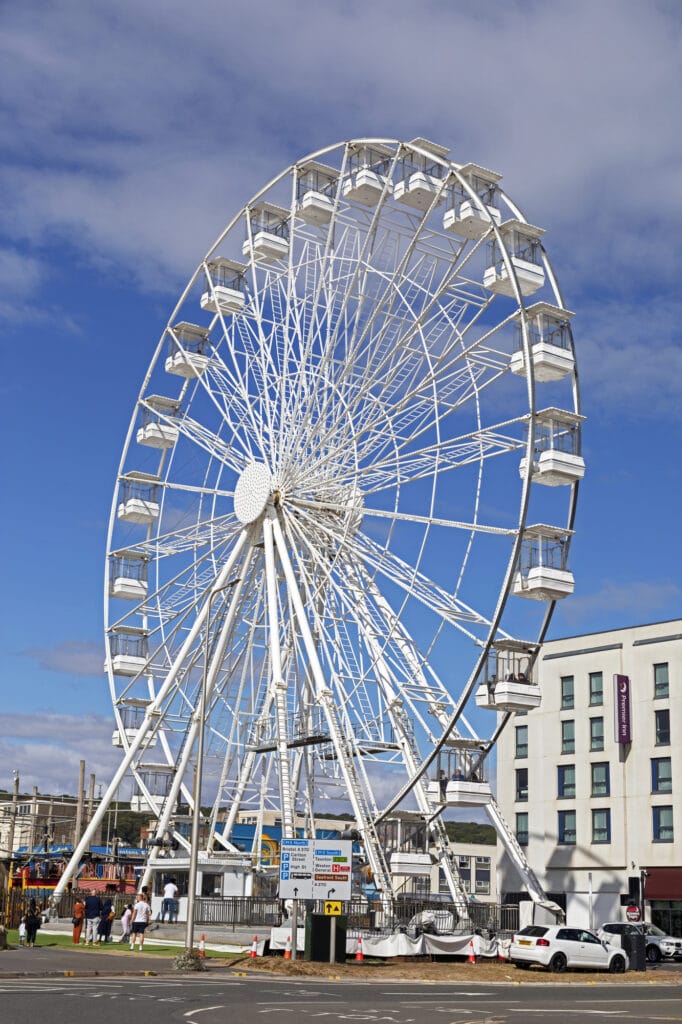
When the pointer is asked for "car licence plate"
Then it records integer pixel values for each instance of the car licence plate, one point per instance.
(525, 942)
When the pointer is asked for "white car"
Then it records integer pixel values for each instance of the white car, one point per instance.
(658, 944)
(558, 947)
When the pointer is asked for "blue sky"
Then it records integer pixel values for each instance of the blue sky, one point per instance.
(131, 133)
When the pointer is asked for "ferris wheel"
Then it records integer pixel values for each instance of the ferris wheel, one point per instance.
(344, 505)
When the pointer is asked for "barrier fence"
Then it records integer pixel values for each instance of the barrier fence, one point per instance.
(363, 916)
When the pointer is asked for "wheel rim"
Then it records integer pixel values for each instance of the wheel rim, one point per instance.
(314, 457)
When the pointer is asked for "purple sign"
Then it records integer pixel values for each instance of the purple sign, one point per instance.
(621, 704)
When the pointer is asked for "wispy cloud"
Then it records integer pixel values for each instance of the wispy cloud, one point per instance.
(620, 602)
(46, 749)
(71, 657)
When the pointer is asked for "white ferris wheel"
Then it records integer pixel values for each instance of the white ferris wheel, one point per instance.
(344, 505)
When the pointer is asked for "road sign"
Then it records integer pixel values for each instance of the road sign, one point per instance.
(332, 908)
(332, 863)
(296, 869)
(315, 869)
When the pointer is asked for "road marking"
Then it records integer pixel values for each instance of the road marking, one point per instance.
(203, 1009)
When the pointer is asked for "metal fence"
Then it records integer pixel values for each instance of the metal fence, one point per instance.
(363, 916)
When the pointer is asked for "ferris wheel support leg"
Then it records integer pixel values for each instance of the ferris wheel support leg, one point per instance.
(520, 862)
(152, 712)
(277, 683)
(190, 739)
(396, 715)
(324, 696)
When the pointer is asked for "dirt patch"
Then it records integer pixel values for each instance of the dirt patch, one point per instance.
(423, 969)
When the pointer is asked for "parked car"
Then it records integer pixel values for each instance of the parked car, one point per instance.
(658, 944)
(558, 947)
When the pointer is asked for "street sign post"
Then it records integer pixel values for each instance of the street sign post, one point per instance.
(316, 869)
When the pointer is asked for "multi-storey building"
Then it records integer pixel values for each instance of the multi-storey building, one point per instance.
(592, 779)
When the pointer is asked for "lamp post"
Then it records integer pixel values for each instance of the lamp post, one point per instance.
(198, 774)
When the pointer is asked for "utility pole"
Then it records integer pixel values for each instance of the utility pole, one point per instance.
(13, 818)
(91, 797)
(78, 830)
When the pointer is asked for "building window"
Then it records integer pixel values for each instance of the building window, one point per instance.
(601, 826)
(522, 828)
(661, 681)
(662, 728)
(482, 883)
(567, 693)
(601, 783)
(464, 869)
(566, 781)
(661, 775)
(596, 734)
(567, 828)
(663, 824)
(596, 688)
(522, 741)
(521, 783)
(568, 736)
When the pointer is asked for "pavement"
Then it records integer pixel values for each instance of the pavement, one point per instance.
(45, 959)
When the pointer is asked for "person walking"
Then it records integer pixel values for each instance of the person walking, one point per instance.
(77, 920)
(140, 919)
(126, 918)
(32, 925)
(22, 932)
(93, 912)
(105, 921)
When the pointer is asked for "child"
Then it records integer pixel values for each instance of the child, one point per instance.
(125, 923)
(22, 932)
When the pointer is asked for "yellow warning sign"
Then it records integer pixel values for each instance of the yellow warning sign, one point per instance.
(332, 908)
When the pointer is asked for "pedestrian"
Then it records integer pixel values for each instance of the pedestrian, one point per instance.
(22, 932)
(140, 919)
(105, 921)
(126, 918)
(93, 912)
(32, 925)
(77, 920)
(170, 891)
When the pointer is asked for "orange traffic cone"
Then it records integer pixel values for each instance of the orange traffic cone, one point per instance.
(254, 948)
(287, 951)
(471, 959)
(359, 956)
(202, 946)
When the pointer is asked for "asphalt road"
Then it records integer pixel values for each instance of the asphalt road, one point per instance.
(246, 1000)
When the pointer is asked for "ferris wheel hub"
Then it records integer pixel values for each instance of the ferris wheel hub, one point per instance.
(252, 493)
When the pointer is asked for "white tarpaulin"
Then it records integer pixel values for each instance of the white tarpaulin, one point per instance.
(401, 944)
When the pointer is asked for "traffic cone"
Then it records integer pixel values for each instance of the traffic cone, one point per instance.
(202, 946)
(254, 948)
(359, 956)
(287, 951)
(471, 959)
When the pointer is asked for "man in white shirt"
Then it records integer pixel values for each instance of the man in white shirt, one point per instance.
(170, 892)
(140, 919)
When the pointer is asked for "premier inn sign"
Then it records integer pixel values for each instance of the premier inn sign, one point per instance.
(621, 704)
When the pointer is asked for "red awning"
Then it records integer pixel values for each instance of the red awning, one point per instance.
(663, 884)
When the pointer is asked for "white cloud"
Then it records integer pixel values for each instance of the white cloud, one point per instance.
(135, 138)
(71, 657)
(46, 749)
(640, 601)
